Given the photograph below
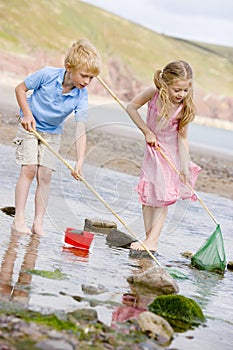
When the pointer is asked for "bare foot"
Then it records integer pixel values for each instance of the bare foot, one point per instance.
(38, 230)
(20, 228)
(152, 246)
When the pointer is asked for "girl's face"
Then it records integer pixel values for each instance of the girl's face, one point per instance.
(178, 90)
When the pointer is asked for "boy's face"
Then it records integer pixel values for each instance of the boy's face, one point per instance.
(80, 78)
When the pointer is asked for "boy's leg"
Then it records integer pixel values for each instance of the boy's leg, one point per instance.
(47, 163)
(44, 175)
(26, 156)
(27, 174)
(154, 218)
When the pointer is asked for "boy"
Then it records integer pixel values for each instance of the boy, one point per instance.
(57, 92)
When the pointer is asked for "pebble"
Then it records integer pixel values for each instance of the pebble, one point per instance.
(50, 344)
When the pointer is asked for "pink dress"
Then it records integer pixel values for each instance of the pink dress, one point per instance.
(159, 184)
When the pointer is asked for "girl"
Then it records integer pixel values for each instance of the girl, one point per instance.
(170, 110)
(57, 92)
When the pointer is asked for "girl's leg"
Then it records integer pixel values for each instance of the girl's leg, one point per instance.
(157, 218)
(44, 175)
(26, 176)
(154, 218)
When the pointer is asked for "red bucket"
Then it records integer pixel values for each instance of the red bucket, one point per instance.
(78, 239)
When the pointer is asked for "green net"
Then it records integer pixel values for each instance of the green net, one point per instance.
(176, 274)
(211, 256)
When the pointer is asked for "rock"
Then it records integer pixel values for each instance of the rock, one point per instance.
(54, 334)
(118, 238)
(142, 254)
(5, 346)
(230, 265)
(51, 344)
(83, 315)
(9, 211)
(187, 254)
(125, 313)
(155, 278)
(99, 226)
(155, 327)
(181, 312)
(149, 344)
(93, 289)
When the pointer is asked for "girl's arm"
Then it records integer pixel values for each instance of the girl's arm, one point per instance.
(80, 145)
(184, 151)
(132, 110)
(28, 120)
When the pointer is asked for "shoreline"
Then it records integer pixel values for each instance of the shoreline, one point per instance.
(113, 145)
(122, 153)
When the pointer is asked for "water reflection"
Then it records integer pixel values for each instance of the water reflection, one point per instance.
(18, 291)
(206, 286)
(133, 305)
(186, 230)
(83, 254)
(137, 299)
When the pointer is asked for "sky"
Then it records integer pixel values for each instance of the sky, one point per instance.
(209, 21)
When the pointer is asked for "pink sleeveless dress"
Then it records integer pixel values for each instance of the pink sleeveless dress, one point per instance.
(159, 185)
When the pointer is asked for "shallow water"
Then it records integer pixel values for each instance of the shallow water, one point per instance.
(187, 228)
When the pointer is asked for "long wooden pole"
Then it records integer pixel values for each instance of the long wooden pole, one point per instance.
(95, 193)
(162, 153)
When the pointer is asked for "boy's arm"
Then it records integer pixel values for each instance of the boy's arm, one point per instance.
(28, 120)
(80, 145)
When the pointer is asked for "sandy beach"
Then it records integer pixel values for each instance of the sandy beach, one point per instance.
(116, 148)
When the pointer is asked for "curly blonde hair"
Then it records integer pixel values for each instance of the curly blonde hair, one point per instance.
(83, 55)
(173, 71)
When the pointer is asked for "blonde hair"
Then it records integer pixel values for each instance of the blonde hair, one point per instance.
(173, 71)
(83, 54)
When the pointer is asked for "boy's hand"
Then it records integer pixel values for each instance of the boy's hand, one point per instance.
(28, 122)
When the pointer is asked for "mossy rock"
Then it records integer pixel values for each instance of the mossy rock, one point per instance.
(181, 312)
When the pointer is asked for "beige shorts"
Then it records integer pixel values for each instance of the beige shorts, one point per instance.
(30, 150)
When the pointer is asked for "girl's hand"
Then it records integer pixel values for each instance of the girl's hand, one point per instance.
(183, 177)
(184, 173)
(151, 139)
(77, 173)
(184, 154)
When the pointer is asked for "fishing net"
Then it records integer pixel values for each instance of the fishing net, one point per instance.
(211, 255)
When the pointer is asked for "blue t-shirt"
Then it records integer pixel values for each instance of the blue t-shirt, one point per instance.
(49, 106)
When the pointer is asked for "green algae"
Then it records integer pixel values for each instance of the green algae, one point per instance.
(54, 275)
(90, 334)
(49, 320)
(25, 344)
(181, 312)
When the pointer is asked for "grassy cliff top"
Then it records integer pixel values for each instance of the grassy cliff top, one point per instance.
(52, 26)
